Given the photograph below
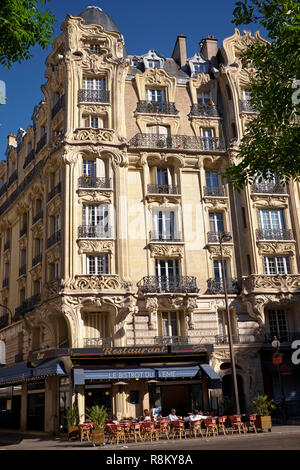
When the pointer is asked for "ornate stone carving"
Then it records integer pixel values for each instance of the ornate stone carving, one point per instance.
(216, 203)
(167, 250)
(54, 207)
(36, 273)
(103, 282)
(95, 135)
(269, 201)
(152, 308)
(38, 229)
(191, 306)
(280, 283)
(93, 195)
(54, 254)
(280, 248)
(95, 246)
(215, 251)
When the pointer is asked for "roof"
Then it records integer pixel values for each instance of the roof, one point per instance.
(94, 15)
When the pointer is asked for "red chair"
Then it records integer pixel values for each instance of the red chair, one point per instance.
(211, 426)
(178, 429)
(135, 431)
(84, 431)
(163, 428)
(251, 423)
(116, 433)
(221, 424)
(148, 430)
(195, 428)
(236, 424)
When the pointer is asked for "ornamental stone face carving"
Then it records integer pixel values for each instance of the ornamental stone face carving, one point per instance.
(215, 251)
(54, 207)
(272, 248)
(152, 309)
(93, 195)
(269, 201)
(166, 250)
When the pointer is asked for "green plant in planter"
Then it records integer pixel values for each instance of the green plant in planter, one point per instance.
(98, 415)
(263, 405)
(72, 416)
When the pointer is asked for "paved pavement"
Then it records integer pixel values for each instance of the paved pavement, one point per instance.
(281, 438)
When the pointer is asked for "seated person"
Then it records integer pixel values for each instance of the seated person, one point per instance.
(147, 416)
(172, 416)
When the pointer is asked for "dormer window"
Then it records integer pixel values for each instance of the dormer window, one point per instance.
(155, 95)
(200, 68)
(198, 65)
(153, 63)
(203, 97)
(153, 60)
(95, 49)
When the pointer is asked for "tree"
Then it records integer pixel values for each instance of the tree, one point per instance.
(272, 139)
(22, 25)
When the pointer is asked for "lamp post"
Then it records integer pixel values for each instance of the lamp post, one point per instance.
(276, 346)
(226, 237)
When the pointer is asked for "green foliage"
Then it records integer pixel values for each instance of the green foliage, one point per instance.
(272, 139)
(263, 405)
(98, 415)
(72, 416)
(23, 23)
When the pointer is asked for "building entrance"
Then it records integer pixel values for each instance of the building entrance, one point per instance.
(95, 396)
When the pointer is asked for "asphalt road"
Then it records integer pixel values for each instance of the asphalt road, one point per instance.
(281, 438)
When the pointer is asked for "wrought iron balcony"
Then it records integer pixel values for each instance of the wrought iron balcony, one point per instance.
(156, 107)
(5, 282)
(23, 231)
(214, 191)
(37, 217)
(3, 189)
(166, 340)
(22, 270)
(7, 245)
(30, 157)
(287, 337)
(4, 320)
(27, 306)
(204, 110)
(216, 286)
(213, 144)
(93, 96)
(246, 107)
(165, 236)
(90, 182)
(223, 339)
(54, 191)
(163, 189)
(54, 238)
(268, 188)
(97, 342)
(94, 231)
(274, 234)
(13, 177)
(58, 106)
(185, 284)
(213, 237)
(37, 259)
(41, 143)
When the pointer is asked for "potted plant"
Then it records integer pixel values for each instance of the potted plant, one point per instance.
(72, 417)
(98, 415)
(264, 406)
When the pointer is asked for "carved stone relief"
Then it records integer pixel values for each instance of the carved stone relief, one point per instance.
(95, 246)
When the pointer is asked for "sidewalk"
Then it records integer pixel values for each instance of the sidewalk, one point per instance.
(11, 441)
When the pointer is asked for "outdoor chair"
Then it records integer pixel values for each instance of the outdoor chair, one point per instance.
(211, 426)
(135, 431)
(149, 431)
(236, 424)
(163, 428)
(116, 433)
(195, 428)
(250, 425)
(178, 429)
(84, 431)
(221, 424)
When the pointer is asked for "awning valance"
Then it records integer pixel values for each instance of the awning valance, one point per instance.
(20, 372)
(81, 375)
(214, 380)
(173, 372)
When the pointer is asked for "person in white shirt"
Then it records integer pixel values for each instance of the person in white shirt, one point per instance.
(197, 416)
(172, 416)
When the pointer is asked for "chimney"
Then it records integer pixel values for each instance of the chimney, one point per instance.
(179, 52)
(209, 47)
(12, 140)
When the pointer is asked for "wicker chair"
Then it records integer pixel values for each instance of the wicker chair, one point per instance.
(178, 429)
(236, 424)
(211, 426)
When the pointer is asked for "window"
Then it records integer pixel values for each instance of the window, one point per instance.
(170, 324)
(89, 168)
(216, 222)
(155, 95)
(54, 271)
(96, 327)
(167, 268)
(94, 83)
(36, 287)
(207, 135)
(159, 130)
(212, 182)
(95, 122)
(203, 97)
(277, 265)
(96, 215)
(278, 324)
(54, 224)
(218, 271)
(22, 296)
(153, 63)
(200, 68)
(97, 264)
(271, 219)
(246, 95)
(164, 225)
(38, 246)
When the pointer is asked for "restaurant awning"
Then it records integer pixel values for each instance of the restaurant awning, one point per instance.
(214, 380)
(81, 375)
(19, 372)
(49, 367)
(180, 371)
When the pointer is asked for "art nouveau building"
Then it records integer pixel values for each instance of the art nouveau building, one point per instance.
(110, 207)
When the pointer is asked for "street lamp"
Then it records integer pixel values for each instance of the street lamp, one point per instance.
(276, 346)
(226, 237)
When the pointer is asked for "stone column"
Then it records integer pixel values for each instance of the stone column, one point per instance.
(81, 403)
(52, 404)
(23, 424)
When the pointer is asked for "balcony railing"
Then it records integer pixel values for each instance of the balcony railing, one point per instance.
(4, 319)
(58, 106)
(168, 284)
(30, 157)
(37, 217)
(162, 189)
(22, 270)
(54, 238)
(274, 234)
(268, 188)
(13, 177)
(90, 182)
(93, 96)
(37, 259)
(165, 237)
(97, 342)
(54, 191)
(5, 282)
(287, 337)
(246, 107)
(94, 231)
(156, 107)
(27, 306)
(204, 110)
(216, 286)
(223, 339)
(214, 191)
(41, 143)
(213, 237)
(7, 245)
(214, 144)
(166, 340)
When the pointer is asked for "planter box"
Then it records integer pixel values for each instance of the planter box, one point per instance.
(73, 432)
(264, 422)
(98, 437)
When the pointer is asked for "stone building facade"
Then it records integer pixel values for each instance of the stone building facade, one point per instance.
(110, 207)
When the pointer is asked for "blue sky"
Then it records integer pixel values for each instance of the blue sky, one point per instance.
(145, 24)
